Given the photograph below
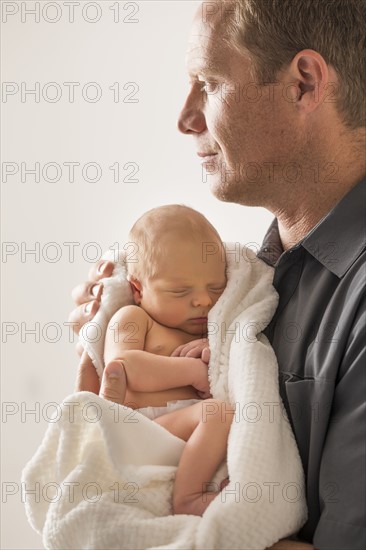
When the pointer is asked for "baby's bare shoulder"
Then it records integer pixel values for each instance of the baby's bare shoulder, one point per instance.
(130, 313)
(127, 329)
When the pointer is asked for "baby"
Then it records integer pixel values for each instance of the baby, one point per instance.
(175, 284)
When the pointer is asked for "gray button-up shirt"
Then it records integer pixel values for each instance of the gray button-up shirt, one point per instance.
(318, 334)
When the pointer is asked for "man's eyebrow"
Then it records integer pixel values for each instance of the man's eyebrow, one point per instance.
(204, 69)
(205, 76)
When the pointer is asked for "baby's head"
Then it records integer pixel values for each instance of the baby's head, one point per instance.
(179, 270)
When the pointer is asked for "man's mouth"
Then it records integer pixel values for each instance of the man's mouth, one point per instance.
(206, 156)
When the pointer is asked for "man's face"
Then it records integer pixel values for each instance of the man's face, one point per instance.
(242, 130)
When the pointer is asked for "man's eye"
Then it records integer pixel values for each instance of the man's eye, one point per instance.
(208, 87)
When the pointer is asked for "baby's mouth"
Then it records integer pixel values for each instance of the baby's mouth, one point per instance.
(199, 320)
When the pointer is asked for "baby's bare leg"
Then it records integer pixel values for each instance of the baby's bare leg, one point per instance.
(205, 426)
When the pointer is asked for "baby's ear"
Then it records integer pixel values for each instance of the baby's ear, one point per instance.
(136, 288)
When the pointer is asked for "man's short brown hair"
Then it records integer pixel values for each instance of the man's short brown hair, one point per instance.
(274, 31)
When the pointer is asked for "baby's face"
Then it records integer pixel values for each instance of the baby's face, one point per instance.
(190, 280)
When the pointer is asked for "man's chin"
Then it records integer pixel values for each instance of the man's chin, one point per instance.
(224, 190)
(234, 191)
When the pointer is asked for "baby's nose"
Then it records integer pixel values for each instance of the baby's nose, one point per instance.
(202, 299)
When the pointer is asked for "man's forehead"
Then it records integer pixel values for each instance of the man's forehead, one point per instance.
(207, 29)
(205, 50)
(208, 43)
(202, 53)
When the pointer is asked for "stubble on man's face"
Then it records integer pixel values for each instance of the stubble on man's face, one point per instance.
(249, 128)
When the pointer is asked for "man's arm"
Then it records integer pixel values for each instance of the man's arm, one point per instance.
(342, 471)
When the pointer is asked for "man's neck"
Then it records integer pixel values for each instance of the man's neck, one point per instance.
(310, 210)
(311, 201)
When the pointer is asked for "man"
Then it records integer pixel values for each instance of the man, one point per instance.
(276, 108)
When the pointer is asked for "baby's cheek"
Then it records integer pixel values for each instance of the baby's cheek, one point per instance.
(173, 311)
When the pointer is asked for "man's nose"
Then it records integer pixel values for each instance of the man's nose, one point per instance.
(191, 119)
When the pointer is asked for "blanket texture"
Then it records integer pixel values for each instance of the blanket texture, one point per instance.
(105, 472)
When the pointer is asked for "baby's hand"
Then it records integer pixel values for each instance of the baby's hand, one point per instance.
(197, 348)
(201, 382)
(204, 394)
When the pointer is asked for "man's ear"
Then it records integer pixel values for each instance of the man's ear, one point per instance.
(310, 77)
(136, 288)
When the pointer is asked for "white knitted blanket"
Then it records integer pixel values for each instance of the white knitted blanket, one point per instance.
(105, 473)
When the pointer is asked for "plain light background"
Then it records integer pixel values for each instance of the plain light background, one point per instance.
(146, 59)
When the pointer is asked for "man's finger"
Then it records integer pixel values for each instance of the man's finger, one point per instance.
(113, 387)
(86, 292)
(82, 314)
(101, 269)
(87, 378)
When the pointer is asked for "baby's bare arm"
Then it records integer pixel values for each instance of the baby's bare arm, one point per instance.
(148, 372)
(126, 331)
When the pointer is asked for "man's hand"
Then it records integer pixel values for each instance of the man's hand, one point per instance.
(87, 378)
(113, 386)
(87, 296)
(196, 348)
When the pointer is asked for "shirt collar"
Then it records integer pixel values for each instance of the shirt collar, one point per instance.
(336, 241)
(271, 249)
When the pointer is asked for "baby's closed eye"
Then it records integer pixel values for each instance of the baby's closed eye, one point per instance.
(180, 292)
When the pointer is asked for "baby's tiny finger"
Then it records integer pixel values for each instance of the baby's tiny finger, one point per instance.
(204, 394)
(205, 355)
(194, 352)
(177, 351)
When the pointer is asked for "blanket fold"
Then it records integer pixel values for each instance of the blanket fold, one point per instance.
(105, 473)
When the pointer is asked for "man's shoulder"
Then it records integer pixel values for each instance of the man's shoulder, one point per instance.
(339, 239)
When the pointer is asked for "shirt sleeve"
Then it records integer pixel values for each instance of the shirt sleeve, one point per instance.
(342, 483)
